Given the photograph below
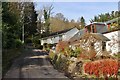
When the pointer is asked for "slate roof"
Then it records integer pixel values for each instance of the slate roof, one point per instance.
(78, 35)
(111, 31)
(59, 32)
(99, 23)
(98, 36)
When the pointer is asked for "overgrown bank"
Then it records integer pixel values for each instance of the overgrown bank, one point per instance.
(79, 63)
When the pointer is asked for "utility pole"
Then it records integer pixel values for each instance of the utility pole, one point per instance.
(23, 33)
(22, 22)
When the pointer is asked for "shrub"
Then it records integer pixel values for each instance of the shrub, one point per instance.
(45, 45)
(39, 46)
(51, 55)
(49, 46)
(61, 62)
(105, 67)
(28, 40)
(18, 43)
(58, 61)
(61, 46)
(87, 54)
(36, 42)
(8, 43)
(76, 52)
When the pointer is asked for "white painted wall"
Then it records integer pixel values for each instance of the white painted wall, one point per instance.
(43, 41)
(113, 45)
(49, 40)
(65, 37)
(98, 47)
(56, 39)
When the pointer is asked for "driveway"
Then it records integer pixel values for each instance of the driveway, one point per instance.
(34, 64)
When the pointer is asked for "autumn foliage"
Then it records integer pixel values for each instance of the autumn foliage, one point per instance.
(105, 67)
(61, 46)
(87, 54)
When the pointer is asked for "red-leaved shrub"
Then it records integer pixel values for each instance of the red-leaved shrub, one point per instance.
(105, 67)
(61, 46)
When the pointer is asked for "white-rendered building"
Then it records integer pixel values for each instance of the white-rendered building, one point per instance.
(113, 45)
(64, 35)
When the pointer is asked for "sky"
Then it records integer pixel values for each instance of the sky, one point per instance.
(74, 10)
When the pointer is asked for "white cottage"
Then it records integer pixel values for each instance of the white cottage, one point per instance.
(88, 41)
(113, 46)
(64, 35)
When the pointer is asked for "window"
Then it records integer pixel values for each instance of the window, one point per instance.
(103, 46)
(93, 30)
(60, 37)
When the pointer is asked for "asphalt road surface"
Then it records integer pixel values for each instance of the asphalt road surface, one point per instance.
(33, 64)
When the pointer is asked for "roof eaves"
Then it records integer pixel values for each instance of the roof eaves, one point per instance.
(111, 31)
(58, 33)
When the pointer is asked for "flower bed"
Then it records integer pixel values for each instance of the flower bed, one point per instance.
(105, 68)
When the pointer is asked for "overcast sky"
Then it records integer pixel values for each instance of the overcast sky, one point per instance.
(74, 10)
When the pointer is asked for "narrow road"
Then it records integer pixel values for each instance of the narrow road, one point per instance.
(33, 64)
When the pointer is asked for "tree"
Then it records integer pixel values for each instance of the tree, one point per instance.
(60, 16)
(101, 18)
(82, 20)
(14, 16)
(43, 21)
(47, 13)
(30, 18)
(40, 22)
(72, 20)
(11, 29)
(0, 16)
(66, 20)
(91, 20)
(95, 18)
(112, 14)
(116, 14)
(105, 17)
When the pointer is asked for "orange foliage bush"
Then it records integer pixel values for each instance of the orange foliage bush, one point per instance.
(103, 67)
(61, 46)
(87, 54)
